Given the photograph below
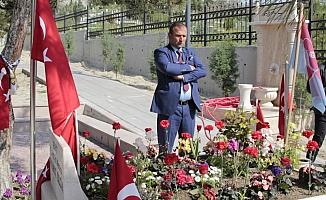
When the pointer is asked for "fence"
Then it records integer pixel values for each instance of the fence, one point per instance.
(208, 25)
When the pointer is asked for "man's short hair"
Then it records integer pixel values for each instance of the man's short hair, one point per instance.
(175, 24)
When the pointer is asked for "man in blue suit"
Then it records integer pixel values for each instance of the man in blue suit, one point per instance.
(176, 96)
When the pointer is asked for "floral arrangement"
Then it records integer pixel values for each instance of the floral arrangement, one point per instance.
(237, 162)
(21, 187)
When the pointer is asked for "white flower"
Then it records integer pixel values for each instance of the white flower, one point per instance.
(149, 178)
(143, 185)
(191, 171)
(97, 177)
(134, 179)
(103, 179)
(91, 179)
(155, 173)
(206, 176)
(197, 179)
(158, 178)
(88, 186)
(93, 185)
(150, 136)
(193, 175)
(99, 182)
(140, 145)
(265, 151)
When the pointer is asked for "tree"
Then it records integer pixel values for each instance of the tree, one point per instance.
(11, 52)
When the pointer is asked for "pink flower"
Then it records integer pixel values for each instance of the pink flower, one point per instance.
(270, 178)
(265, 187)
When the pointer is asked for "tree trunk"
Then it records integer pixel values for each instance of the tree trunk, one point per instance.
(11, 52)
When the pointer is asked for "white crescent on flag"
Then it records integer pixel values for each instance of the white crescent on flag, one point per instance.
(128, 191)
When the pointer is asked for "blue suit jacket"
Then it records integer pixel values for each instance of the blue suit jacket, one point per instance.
(167, 92)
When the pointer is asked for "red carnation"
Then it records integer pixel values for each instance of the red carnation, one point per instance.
(203, 168)
(252, 151)
(221, 145)
(186, 135)
(92, 168)
(132, 169)
(170, 159)
(167, 195)
(256, 135)
(86, 134)
(209, 128)
(312, 145)
(148, 130)
(219, 124)
(307, 133)
(199, 126)
(116, 125)
(285, 161)
(165, 123)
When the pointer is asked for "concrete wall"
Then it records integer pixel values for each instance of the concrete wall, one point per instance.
(139, 49)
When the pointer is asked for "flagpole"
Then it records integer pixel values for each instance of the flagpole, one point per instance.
(297, 48)
(77, 140)
(33, 71)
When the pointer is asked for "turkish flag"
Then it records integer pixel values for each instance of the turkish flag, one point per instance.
(122, 186)
(281, 111)
(4, 96)
(62, 94)
(261, 122)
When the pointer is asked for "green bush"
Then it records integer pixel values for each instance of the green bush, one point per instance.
(224, 66)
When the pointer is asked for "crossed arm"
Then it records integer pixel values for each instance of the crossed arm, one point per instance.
(180, 71)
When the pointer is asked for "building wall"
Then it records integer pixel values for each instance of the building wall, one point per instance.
(139, 49)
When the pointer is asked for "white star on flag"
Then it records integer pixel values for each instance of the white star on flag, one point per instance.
(45, 171)
(7, 96)
(45, 58)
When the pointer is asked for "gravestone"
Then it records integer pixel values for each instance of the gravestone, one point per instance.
(64, 184)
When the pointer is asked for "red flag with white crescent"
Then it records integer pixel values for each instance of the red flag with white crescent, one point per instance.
(62, 94)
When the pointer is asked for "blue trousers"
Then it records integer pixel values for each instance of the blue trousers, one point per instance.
(181, 121)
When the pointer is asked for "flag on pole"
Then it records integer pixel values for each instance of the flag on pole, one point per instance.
(307, 64)
(122, 186)
(281, 110)
(4, 96)
(62, 94)
(260, 117)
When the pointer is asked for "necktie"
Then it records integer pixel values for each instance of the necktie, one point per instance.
(180, 60)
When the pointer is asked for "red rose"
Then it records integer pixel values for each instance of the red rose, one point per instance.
(203, 168)
(92, 168)
(86, 134)
(116, 125)
(312, 145)
(170, 159)
(285, 161)
(148, 130)
(209, 128)
(221, 145)
(165, 124)
(252, 151)
(307, 133)
(199, 126)
(219, 124)
(186, 135)
(256, 135)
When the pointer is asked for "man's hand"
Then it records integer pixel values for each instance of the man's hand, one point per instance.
(179, 77)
